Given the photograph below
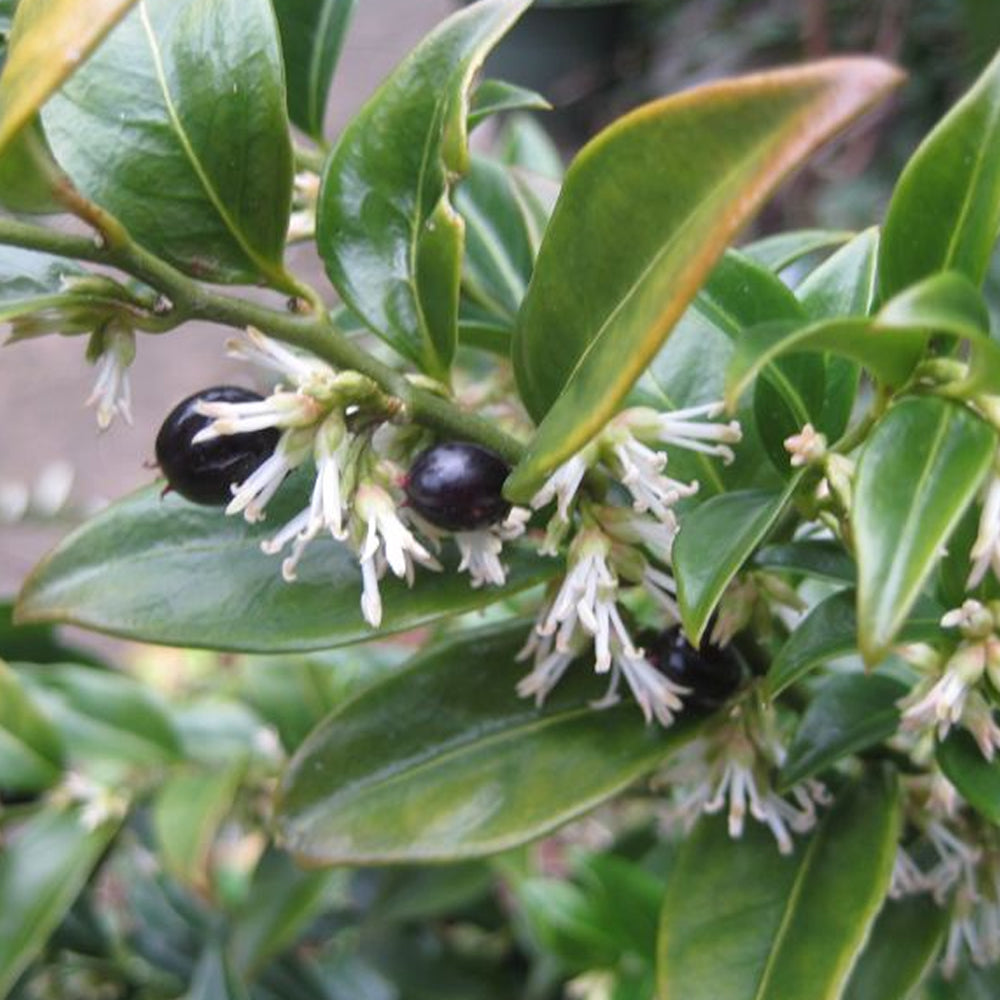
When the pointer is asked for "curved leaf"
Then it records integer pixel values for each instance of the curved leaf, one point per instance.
(31, 752)
(784, 249)
(976, 778)
(646, 210)
(50, 39)
(186, 135)
(445, 761)
(919, 470)
(189, 576)
(44, 864)
(714, 542)
(30, 281)
(945, 210)
(823, 560)
(312, 35)
(494, 96)
(846, 283)
(386, 228)
(742, 922)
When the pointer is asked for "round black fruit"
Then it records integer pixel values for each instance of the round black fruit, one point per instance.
(205, 473)
(456, 485)
(712, 674)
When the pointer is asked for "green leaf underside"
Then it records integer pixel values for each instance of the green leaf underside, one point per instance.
(784, 249)
(31, 281)
(945, 210)
(385, 192)
(645, 211)
(51, 38)
(43, 866)
(919, 470)
(312, 36)
(190, 576)
(492, 97)
(742, 922)
(714, 542)
(445, 761)
(830, 630)
(187, 143)
(849, 713)
(31, 752)
(977, 779)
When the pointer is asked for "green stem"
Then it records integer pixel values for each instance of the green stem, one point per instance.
(313, 332)
(307, 158)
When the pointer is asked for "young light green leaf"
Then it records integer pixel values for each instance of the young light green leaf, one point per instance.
(187, 142)
(848, 714)
(385, 204)
(494, 96)
(977, 779)
(886, 971)
(646, 210)
(945, 211)
(714, 542)
(742, 922)
(31, 752)
(444, 761)
(919, 470)
(50, 39)
(784, 249)
(28, 173)
(312, 36)
(44, 864)
(188, 576)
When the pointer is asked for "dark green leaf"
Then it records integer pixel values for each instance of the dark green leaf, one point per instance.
(784, 249)
(386, 228)
(31, 752)
(903, 945)
(823, 560)
(714, 542)
(968, 983)
(830, 630)
(44, 864)
(312, 35)
(444, 761)
(976, 778)
(742, 922)
(493, 96)
(646, 210)
(848, 714)
(919, 470)
(188, 576)
(187, 144)
(36, 643)
(215, 978)
(945, 210)
(409, 894)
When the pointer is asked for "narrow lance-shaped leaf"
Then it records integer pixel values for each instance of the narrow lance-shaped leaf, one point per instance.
(945, 210)
(50, 39)
(919, 470)
(188, 576)
(784, 249)
(386, 228)
(742, 922)
(494, 96)
(312, 36)
(445, 761)
(31, 752)
(187, 143)
(646, 210)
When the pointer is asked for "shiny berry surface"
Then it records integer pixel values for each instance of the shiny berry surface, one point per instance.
(456, 485)
(711, 673)
(204, 473)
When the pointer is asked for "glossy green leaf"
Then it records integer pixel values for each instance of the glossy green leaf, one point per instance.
(830, 630)
(50, 39)
(945, 210)
(445, 761)
(106, 718)
(784, 249)
(494, 96)
(742, 922)
(848, 714)
(714, 542)
(386, 228)
(412, 894)
(312, 36)
(524, 143)
(188, 810)
(919, 470)
(187, 144)
(31, 752)
(189, 576)
(902, 948)
(823, 560)
(646, 210)
(977, 779)
(44, 864)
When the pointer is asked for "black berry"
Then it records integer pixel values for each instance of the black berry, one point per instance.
(456, 485)
(204, 473)
(711, 673)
